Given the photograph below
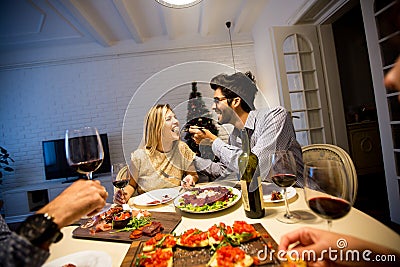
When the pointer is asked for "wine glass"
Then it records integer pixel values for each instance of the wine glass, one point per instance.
(283, 174)
(84, 150)
(120, 176)
(328, 190)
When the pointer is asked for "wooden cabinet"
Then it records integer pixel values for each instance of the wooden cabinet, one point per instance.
(365, 147)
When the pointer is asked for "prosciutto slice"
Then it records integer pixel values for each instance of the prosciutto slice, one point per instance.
(207, 195)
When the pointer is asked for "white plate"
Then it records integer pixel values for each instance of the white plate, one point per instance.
(234, 190)
(269, 187)
(87, 258)
(156, 197)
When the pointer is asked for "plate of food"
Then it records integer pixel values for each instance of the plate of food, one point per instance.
(273, 193)
(89, 258)
(156, 197)
(207, 199)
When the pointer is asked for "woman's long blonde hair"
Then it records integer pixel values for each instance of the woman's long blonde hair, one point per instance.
(154, 123)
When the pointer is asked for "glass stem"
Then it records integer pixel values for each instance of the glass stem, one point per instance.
(288, 214)
(329, 225)
(89, 175)
(123, 194)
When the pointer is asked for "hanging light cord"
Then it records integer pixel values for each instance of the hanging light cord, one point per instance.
(228, 25)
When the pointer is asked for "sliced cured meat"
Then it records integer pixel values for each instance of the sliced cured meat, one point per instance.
(152, 229)
(206, 195)
(136, 234)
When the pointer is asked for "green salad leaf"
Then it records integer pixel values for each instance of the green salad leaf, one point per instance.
(135, 224)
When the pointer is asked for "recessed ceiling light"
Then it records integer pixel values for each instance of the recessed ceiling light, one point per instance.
(178, 3)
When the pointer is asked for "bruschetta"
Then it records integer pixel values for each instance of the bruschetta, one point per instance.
(230, 256)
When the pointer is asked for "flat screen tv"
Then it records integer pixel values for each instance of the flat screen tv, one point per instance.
(55, 161)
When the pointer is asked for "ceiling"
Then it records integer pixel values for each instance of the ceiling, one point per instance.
(26, 24)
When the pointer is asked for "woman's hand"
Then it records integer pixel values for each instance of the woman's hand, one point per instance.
(120, 197)
(188, 181)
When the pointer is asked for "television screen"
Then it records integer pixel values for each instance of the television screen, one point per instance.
(55, 161)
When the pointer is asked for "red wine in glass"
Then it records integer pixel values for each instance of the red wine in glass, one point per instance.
(87, 166)
(284, 180)
(120, 184)
(329, 208)
(84, 150)
(283, 174)
(328, 189)
(120, 177)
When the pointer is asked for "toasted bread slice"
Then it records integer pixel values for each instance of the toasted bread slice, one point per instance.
(293, 263)
(193, 238)
(159, 241)
(244, 261)
(217, 233)
(165, 254)
(201, 244)
(243, 232)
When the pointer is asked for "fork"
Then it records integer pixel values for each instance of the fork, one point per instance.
(185, 189)
(182, 189)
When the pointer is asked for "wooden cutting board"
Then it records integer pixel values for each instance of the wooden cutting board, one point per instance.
(169, 221)
(200, 257)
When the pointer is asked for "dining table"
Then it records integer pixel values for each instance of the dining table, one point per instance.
(355, 223)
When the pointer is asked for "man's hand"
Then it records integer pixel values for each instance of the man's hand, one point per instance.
(83, 197)
(201, 135)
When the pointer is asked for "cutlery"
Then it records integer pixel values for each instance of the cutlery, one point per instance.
(183, 188)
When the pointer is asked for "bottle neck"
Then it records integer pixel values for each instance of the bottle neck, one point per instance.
(245, 140)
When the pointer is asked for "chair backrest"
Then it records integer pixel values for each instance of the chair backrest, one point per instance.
(123, 172)
(316, 152)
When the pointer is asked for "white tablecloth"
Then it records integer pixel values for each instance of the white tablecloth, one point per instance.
(355, 223)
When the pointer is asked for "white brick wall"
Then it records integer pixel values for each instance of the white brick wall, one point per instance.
(39, 103)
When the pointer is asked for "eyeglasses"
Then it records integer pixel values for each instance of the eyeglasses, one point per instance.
(219, 99)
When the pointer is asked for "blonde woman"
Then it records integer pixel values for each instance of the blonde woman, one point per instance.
(164, 161)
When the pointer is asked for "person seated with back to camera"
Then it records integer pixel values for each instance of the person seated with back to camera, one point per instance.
(29, 245)
(164, 162)
(272, 128)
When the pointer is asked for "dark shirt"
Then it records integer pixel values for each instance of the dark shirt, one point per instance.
(16, 250)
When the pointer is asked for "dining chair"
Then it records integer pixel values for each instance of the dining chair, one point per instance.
(123, 172)
(316, 152)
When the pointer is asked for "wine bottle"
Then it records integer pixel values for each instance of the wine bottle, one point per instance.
(250, 180)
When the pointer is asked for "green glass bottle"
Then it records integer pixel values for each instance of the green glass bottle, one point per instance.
(250, 180)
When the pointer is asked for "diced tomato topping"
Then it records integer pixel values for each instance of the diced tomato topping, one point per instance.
(240, 227)
(193, 237)
(168, 242)
(157, 259)
(227, 256)
(122, 216)
(216, 232)
(256, 260)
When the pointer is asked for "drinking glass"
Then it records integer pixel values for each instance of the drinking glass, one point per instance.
(120, 176)
(84, 150)
(283, 174)
(328, 190)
